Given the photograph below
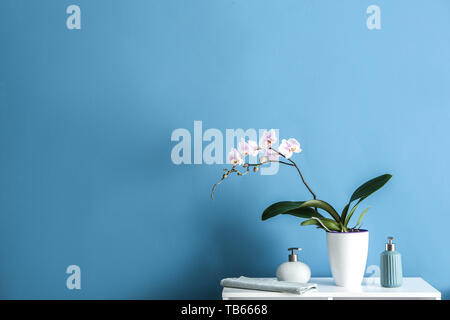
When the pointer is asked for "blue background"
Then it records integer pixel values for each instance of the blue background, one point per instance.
(86, 117)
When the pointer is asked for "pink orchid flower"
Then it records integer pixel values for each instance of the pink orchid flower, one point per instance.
(253, 148)
(235, 158)
(288, 147)
(268, 138)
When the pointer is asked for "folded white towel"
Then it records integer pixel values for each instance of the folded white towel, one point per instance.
(267, 284)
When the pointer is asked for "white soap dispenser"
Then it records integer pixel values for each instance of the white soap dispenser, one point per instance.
(294, 270)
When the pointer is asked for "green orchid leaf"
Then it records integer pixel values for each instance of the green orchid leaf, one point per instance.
(361, 217)
(324, 206)
(289, 207)
(304, 212)
(344, 212)
(311, 222)
(279, 208)
(330, 224)
(350, 214)
(370, 187)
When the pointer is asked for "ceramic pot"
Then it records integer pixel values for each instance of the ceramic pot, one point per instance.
(347, 253)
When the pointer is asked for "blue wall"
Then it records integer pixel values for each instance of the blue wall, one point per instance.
(86, 118)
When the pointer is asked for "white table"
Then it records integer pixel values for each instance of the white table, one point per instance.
(412, 289)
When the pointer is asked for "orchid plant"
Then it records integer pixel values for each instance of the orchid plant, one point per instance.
(309, 210)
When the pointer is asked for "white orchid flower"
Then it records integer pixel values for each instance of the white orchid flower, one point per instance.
(270, 155)
(268, 138)
(253, 148)
(243, 148)
(288, 147)
(235, 158)
(263, 159)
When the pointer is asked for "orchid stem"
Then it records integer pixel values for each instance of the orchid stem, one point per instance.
(246, 165)
(257, 165)
(299, 171)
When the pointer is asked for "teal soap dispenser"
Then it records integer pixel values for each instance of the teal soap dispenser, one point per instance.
(391, 275)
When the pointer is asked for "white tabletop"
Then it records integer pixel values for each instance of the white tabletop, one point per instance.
(412, 288)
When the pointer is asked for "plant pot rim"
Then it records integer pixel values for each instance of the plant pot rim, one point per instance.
(360, 231)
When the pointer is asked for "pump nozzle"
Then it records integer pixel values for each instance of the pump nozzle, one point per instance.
(293, 257)
(390, 246)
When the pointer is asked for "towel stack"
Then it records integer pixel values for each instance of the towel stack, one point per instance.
(267, 284)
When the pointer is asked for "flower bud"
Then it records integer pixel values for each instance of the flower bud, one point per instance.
(224, 176)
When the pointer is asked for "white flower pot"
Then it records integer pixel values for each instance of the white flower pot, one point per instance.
(347, 252)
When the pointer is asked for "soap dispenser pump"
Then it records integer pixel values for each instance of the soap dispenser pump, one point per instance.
(294, 270)
(391, 266)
